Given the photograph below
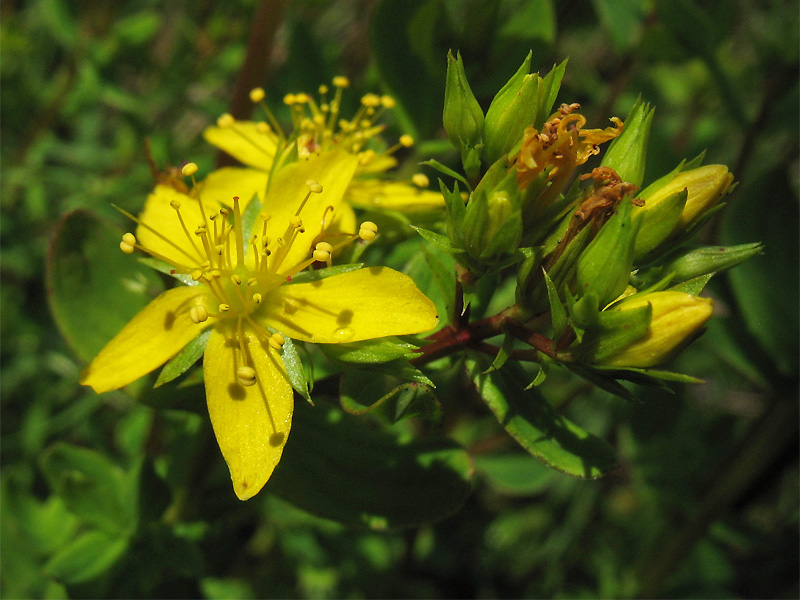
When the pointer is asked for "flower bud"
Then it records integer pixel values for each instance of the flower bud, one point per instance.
(712, 259)
(462, 116)
(513, 109)
(675, 319)
(705, 187)
(627, 153)
(604, 268)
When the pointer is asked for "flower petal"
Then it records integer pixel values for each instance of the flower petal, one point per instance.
(251, 423)
(245, 143)
(161, 230)
(358, 305)
(223, 184)
(152, 337)
(373, 193)
(334, 171)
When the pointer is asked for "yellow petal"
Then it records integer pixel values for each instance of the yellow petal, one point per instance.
(154, 336)
(334, 171)
(379, 163)
(223, 184)
(373, 193)
(251, 423)
(161, 230)
(246, 142)
(358, 305)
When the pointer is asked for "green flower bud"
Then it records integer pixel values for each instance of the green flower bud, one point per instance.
(705, 187)
(627, 153)
(675, 320)
(712, 259)
(513, 109)
(462, 116)
(604, 268)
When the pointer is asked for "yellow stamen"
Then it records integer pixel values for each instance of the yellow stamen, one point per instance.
(420, 180)
(276, 341)
(246, 376)
(257, 95)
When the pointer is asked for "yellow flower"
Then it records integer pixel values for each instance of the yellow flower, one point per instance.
(242, 289)
(675, 320)
(319, 128)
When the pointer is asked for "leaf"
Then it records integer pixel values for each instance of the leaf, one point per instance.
(183, 360)
(338, 467)
(437, 238)
(557, 312)
(514, 474)
(693, 286)
(363, 392)
(295, 369)
(91, 486)
(93, 288)
(445, 170)
(89, 555)
(379, 350)
(310, 275)
(535, 424)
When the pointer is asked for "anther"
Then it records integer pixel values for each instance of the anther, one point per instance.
(289, 99)
(189, 169)
(296, 222)
(314, 186)
(225, 120)
(323, 89)
(257, 94)
(371, 100)
(252, 281)
(196, 274)
(236, 279)
(368, 231)
(263, 127)
(246, 376)
(224, 308)
(322, 252)
(198, 314)
(277, 341)
(341, 81)
(406, 140)
(420, 180)
(128, 243)
(387, 102)
(257, 298)
(176, 204)
(301, 98)
(365, 157)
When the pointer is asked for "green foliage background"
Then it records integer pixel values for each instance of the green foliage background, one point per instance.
(705, 503)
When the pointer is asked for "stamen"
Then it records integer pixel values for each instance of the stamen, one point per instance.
(189, 169)
(420, 180)
(128, 243)
(257, 298)
(322, 252)
(341, 82)
(198, 314)
(368, 231)
(406, 141)
(257, 95)
(246, 376)
(225, 120)
(224, 307)
(276, 341)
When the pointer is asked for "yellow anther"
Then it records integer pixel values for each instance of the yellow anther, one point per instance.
(196, 274)
(277, 341)
(370, 226)
(236, 279)
(371, 100)
(219, 249)
(224, 212)
(225, 120)
(208, 276)
(224, 308)
(212, 216)
(176, 204)
(252, 281)
(246, 376)
(323, 89)
(201, 230)
(366, 157)
(420, 180)
(301, 98)
(263, 127)
(189, 169)
(406, 140)
(319, 120)
(307, 124)
(341, 81)
(257, 298)
(126, 248)
(324, 107)
(368, 231)
(314, 186)
(388, 102)
(198, 314)
(289, 99)
(129, 239)
(257, 94)
(365, 122)
(322, 252)
(296, 222)
(215, 273)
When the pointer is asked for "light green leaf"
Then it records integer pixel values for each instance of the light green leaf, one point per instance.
(89, 555)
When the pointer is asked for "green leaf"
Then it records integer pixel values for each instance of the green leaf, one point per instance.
(362, 392)
(183, 360)
(94, 289)
(602, 381)
(558, 313)
(514, 474)
(89, 555)
(437, 238)
(91, 486)
(433, 163)
(339, 467)
(535, 424)
(379, 350)
(622, 19)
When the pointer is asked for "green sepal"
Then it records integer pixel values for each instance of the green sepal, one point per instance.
(379, 350)
(658, 223)
(435, 164)
(462, 116)
(604, 267)
(558, 313)
(167, 269)
(300, 376)
(650, 377)
(441, 241)
(549, 86)
(613, 331)
(710, 259)
(536, 425)
(310, 275)
(503, 353)
(693, 286)
(603, 381)
(627, 153)
(456, 210)
(512, 110)
(183, 360)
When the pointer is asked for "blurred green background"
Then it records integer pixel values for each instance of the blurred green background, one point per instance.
(705, 503)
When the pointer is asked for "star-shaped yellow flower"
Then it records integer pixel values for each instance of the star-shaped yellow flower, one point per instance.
(242, 289)
(318, 128)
